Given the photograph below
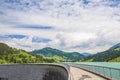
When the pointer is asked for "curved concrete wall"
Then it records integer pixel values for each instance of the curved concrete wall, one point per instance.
(33, 72)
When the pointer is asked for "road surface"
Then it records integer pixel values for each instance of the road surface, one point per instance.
(79, 74)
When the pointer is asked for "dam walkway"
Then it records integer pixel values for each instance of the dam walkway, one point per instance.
(109, 70)
(79, 74)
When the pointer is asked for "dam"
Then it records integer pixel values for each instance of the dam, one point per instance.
(47, 71)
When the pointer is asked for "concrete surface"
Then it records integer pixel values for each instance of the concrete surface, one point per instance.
(33, 72)
(79, 74)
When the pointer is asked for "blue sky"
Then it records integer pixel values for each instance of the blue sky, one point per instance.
(69, 25)
(12, 36)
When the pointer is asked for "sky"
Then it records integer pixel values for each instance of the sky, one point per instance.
(69, 25)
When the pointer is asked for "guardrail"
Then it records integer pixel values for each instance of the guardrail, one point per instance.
(111, 73)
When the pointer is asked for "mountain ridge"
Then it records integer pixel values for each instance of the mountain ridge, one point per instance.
(13, 55)
(50, 52)
(115, 46)
(110, 55)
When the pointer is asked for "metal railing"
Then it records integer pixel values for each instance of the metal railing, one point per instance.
(111, 73)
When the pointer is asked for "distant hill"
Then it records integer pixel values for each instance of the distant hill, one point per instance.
(110, 55)
(86, 54)
(57, 54)
(13, 55)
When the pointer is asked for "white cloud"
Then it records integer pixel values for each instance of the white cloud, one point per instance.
(90, 27)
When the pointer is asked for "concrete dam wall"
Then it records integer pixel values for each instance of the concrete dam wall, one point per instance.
(33, 72)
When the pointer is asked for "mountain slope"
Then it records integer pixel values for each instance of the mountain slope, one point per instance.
(115, 46)
(13, 55)
(112, 54)
(49, 52)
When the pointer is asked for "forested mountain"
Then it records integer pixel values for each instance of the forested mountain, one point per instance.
(57, 54)
(13, 55)
(110, 55)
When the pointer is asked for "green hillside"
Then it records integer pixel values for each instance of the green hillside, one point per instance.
(58, 55)
(111, 55)
(115, 60)
(13, 55)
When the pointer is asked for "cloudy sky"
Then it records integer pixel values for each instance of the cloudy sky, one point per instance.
(68, 25)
